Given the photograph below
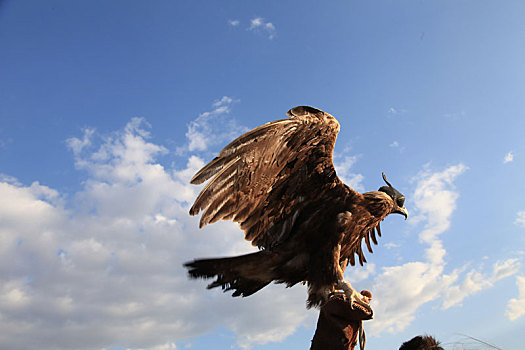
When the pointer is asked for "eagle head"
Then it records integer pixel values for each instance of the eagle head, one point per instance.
(397, 197)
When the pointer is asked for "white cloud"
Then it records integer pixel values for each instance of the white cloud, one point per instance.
(509, 157)
(9, 179)
(212, 128)
(234, 22)
(77, 145)
(476, 281)
(103, 267)
(391, 245)
(399, 291)
(516, 306)
(395, 144)
(343, 166)
(520, 220)
(261, 26)
(223, 103)
(396, 111)
(360, 273)
(435, 200)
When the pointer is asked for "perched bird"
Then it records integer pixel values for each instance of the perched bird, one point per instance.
(279, 183)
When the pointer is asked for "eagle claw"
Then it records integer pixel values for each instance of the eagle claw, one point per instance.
(350, 293)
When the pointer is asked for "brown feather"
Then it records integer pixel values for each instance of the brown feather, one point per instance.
(223, 180)
(361, 256)
(351, 257)
(279, 184)
(367, 240)
(373, 235)
(223, 210)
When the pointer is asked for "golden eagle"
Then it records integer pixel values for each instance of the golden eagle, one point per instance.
(279, 183)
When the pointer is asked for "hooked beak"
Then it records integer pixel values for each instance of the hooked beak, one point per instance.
(403, 211)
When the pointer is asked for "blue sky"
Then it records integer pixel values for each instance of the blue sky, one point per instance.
(108, 108)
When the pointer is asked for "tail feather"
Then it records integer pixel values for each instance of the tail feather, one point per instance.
(244, 274)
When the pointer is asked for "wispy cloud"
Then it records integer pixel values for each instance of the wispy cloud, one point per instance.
(435, 200)
(360, 273)
(396, 111)
(343, 165)
(234, 22)
(520, 219)
(391, 245)
(399, 291)
(212, 128)
(476, 281)
(395, 144)
(77, 145)
(516, 306)
(509, 157)
(260, 25)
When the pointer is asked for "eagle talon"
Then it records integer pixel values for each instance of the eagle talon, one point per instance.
(351, 294)
(355, 296)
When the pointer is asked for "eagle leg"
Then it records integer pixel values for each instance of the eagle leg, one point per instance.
(350, 293)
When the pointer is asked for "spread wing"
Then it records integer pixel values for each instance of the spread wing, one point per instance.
(266, 177)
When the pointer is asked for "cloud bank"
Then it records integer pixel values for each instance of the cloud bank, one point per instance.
(103, 267)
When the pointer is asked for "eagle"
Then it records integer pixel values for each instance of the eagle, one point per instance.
(278, 182)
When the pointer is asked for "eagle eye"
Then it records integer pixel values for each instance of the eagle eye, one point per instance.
(400, 201)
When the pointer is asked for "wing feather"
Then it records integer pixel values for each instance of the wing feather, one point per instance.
(367, 240)
(261, 179)
(360, 254)
(373, 235)
(223, 178)
(351, 259)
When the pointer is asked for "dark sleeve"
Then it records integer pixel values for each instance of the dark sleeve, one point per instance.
(337, 326)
